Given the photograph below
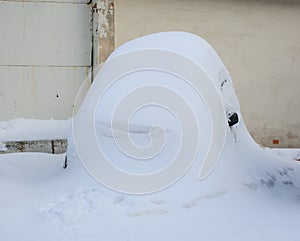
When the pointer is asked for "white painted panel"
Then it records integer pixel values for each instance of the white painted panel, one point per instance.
(39, 92)
(48, 34)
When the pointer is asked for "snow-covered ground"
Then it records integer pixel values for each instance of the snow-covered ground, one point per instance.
(31, 129)
(42, 201)
(252, 194)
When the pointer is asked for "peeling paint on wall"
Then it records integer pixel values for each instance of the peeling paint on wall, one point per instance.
(103, 30)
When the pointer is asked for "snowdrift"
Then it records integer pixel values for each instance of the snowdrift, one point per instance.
(161, 105)
(159, 120)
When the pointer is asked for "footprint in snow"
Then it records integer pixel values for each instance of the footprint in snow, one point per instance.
(71, 209)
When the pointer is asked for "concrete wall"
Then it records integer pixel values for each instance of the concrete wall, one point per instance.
(259, 42)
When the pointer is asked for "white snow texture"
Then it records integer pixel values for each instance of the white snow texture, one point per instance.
(253, 193)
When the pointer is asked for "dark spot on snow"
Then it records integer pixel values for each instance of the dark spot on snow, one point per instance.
(280, 173)
(269, 183)
(223, 83)
(271, 176)
(57, 96)
(285, 171)
(288, 183)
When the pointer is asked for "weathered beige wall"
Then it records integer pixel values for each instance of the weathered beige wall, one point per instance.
(259, 42)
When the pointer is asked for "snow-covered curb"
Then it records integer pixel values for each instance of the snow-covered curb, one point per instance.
(31, 129)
